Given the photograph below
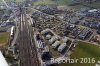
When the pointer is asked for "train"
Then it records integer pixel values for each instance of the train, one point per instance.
(12, 32)
(32, 22)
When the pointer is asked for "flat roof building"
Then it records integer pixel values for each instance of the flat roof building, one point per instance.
(53, 39)
(65, 39)
(40, 44)
(56, 44)
(48, 37)
(62, 47)
(84, 33)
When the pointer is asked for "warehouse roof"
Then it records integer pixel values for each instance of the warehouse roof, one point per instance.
(93, 10)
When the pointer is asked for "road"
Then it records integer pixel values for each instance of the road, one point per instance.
(25, 41)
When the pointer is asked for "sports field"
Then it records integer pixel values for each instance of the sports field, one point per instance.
(4, 38)
(85, 50)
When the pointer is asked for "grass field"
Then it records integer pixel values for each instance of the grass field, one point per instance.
(44, 2)
(19, 0)
(14, 0)
(4, 38)
(92, 5)
(55, 2)
(64, 2)
(85, 50)
(67, 2)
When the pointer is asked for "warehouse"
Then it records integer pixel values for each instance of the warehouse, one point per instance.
(39, 41)
(48, 37)
(85, 33)
(56, 44)
(46, 32)
(62, 47)
(53, 39)
(40, 44)
(93, 13)
(46, 56)
(65, 39)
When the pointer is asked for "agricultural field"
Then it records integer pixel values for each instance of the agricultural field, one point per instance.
(67, 2)
(44, 2)
(4, 38)
(19, 0)
(85, 50)
(64, 2)
(92, 5)
(14, 0)
(54, 2)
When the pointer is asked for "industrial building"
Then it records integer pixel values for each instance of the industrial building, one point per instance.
(62, 47)
(53, 39)
(56, 44)
(46, 56)
(96, 39)
(85, 33)
(46, 32)
(65, 39)
(39, 41)
(40, 44)
(48, 37)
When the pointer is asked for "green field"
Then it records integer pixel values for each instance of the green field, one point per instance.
(61, 2)
(64, 2)
(85, 50)
(92, 5)
(67, 2)
(14, 0)
(54, 2)
(19, 0)
(4, 38)
(44, 2)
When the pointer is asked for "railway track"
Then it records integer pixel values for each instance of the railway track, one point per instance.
(27, 49)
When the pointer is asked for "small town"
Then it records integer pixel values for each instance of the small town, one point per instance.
(49, 33)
